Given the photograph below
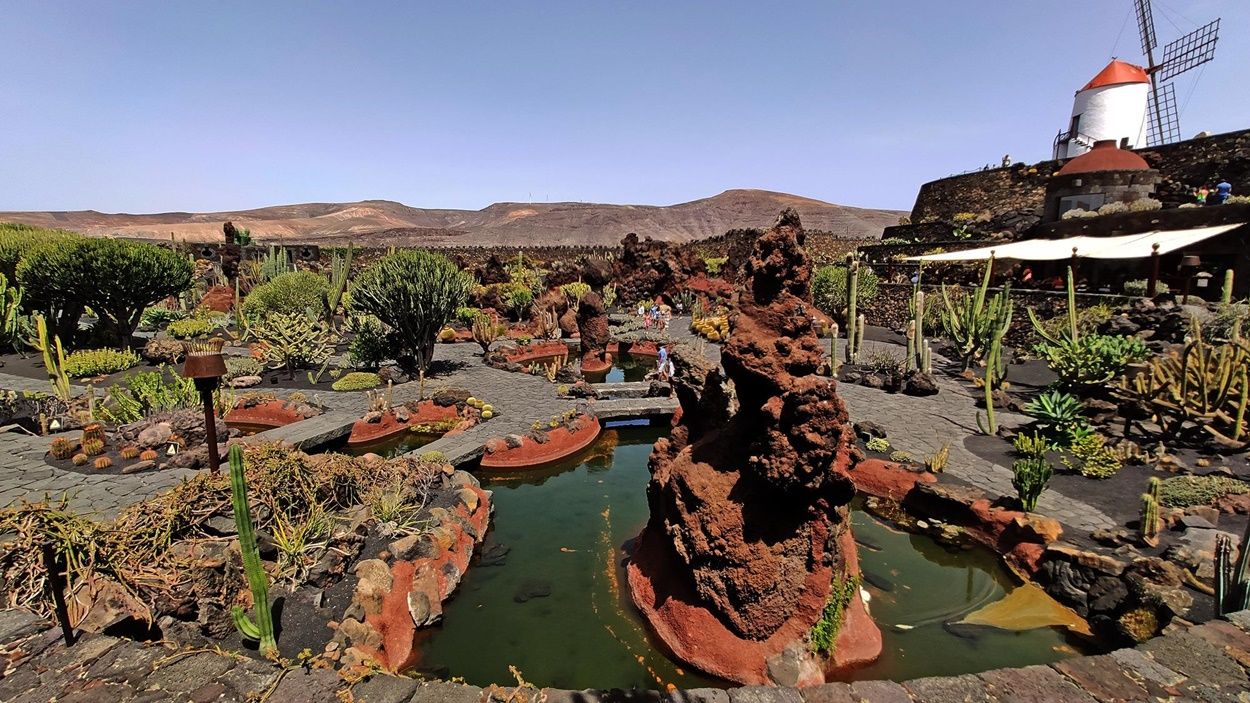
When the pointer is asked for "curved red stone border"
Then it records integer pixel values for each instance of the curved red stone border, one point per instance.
(593, 364)
(560, 444)
(643, 348)
(541, 350)
(426, 412)
(269, 414)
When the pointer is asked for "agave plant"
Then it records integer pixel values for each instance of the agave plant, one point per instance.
(1059, 416)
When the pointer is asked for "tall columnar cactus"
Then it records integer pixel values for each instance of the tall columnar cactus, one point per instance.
(853, 333)
(833, 350)
(995, 366)
(53, 358)
(926, 359)
(1150, 513)
(1232, 583)
(1226, 293)
(1073, 332)
(260, 630)
(340, 269)
(918, 312)
(912, 356)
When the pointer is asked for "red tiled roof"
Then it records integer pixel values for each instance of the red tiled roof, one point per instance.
(1116, 73)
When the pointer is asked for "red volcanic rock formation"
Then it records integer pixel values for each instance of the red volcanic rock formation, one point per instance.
(648, 268)
(748, 498)
(592, 327)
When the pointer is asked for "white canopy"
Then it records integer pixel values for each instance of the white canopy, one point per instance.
(1129, 246)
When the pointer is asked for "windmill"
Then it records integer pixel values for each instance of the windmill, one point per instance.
(1184, 54)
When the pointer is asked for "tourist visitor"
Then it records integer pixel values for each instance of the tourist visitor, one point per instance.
(1200, 195)
(1223, 190)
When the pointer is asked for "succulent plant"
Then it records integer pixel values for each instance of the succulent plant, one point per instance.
(102, 463)
(80, 460)
(93, 447)
(148, 455)
(129, 452)
(61, 448)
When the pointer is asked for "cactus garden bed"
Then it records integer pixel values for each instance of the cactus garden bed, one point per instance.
(559, 438)
(164, 440)
(446, 412)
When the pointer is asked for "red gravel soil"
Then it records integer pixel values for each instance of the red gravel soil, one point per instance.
(427, 412)
(270, 414)
(561, 443)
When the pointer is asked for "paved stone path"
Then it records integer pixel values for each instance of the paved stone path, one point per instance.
(1202, 663)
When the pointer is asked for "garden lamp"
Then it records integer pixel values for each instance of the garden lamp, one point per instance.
(206, 366)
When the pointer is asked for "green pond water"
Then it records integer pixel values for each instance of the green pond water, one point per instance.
(557, 606)
(625, 368)
(393, 446)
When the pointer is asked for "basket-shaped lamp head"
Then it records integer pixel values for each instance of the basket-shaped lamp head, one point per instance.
(204, 359)
(1190, 261)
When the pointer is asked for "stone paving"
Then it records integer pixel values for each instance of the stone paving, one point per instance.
(1203, 663)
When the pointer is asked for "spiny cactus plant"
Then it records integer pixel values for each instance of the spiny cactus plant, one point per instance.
(340, 269)
(995, 365)
(102, 463)
(148, 455)
(53, 358)
(261, 629)
(833, 349)
(1030, 476)
(92, 431)
(80, 459)
(1150, 512)
(854, 333)
(969, 321)
(129, 452)
(62, 448)
(486, 329)
(92, 447)
(1226, 293)
(1232, 583)
(12, 321)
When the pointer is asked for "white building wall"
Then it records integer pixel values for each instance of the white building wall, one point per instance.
(1109, 112)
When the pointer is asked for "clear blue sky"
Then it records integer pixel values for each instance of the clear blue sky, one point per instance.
(175, 105)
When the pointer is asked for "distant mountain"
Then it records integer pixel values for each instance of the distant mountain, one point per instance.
(383, 222)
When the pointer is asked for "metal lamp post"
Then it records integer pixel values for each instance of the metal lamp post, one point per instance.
(1189, 264)
(206, 366)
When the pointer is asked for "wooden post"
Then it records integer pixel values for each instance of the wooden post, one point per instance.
(56, 585)
(1154, 270)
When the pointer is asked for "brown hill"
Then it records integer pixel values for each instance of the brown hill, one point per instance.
(383, 222)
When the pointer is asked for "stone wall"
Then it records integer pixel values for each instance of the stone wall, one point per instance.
(1183, 166)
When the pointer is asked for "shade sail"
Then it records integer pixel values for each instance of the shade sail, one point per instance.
(1128, 246)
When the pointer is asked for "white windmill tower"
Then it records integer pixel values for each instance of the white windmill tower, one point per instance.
(1136, 105)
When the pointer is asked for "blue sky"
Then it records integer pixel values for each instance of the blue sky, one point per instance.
(174, 105)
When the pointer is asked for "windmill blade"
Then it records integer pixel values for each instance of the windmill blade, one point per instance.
(1163, 124)
(1145, 25)
(1190, 51)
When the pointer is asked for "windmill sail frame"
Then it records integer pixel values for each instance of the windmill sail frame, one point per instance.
(1183, 54)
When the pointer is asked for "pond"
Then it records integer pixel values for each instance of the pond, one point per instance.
(388, 447)
(550, 595)
(626, 367)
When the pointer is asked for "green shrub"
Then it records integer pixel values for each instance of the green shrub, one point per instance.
(158, 317)
(198, 325)
(1030, 445)
(415, 293)
(575, 291)
(829, 289)
(1093, 458)
(291, 293)
(96, 362)
(824, 634)
(519, 299)
(878, 444)
(371, 345)
(237, 366)
(17, 240)
(1029, 478)
(1091, 359)
(117, 279)
(713, 264)
(294, 341)
(1137, 287)
(1188, 491)
(148, 392)
(357, 381)
(466, 315)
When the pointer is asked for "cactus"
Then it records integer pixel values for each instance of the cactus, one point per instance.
(61, 448)
(1226, 293)
(1232, 584)
(916, 341)
(1150, 513)
(486, 329)
(995, 367)
(54, 363)
(102, 463)
(1203, 386)
(910, 361)
(93, 447)
(129, 453)
(11, 320)
(92, 431)
(261, 630)
(833, 350)
(1030, 477)
(80, 460)
(926, 359)
(853, 333)
(969, 323)
(340, 269)
(148, 455)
